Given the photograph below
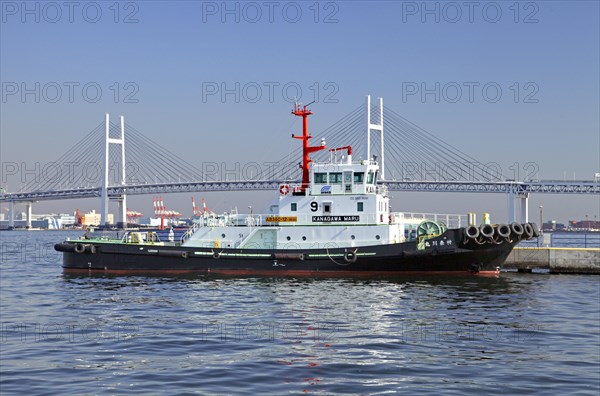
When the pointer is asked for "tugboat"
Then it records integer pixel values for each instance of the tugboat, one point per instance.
(336, 221)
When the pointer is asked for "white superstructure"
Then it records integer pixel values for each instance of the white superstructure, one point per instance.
(338, 204)
(342, 207)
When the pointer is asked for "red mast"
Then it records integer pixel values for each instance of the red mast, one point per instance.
(306, 149)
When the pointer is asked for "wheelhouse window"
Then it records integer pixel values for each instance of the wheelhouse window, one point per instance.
(321, 178)
(359, 177)
(360, 206)
(371, 178)
(294, 206)
(335, 178)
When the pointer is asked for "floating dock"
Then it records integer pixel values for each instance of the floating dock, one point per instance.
(555, 260)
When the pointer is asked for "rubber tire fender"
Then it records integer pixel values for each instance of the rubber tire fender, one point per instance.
(517, 229)
(472, 232)
(487, 231)
(503, 230)
(528, 230)
(350, 256)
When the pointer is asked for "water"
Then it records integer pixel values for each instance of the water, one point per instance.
(517, 333)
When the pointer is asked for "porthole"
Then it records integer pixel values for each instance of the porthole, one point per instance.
(304, 238)
(222, 235)
(377, 237)
(288, 238)
(352, 237)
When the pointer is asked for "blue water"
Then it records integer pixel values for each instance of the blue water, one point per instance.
(73, 335)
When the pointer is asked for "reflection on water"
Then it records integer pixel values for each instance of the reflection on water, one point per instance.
(514, 333)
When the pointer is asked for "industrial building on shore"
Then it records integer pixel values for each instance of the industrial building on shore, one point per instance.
(65, 221)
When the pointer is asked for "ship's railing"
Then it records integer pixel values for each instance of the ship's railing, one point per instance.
(344, 162)
(189, 232)
(451, 220)
(141, 237)
(382, 189)
(102, 234)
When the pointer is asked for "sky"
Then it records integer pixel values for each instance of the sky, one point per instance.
(504, 81)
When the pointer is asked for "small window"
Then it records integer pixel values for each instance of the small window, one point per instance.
(320, 178)
(327, 207)
(371, 178)
(349, 188)
(360, 206)
(359, 177)
(335, 178)
(294, 207)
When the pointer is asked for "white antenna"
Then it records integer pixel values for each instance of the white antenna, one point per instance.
(376, 127)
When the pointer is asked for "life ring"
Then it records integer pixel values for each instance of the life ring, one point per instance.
(92, 249)
(79, 248)
(184, 255)
(216, 255)
(350, 256)
(284, 189)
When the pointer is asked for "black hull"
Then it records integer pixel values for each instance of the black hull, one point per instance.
(450, 252)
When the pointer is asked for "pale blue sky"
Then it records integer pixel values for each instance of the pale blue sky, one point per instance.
(174, 49)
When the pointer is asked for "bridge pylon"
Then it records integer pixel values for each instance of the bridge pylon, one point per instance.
(11, 214)
(522, 197)
(375, 127)
(105, 181)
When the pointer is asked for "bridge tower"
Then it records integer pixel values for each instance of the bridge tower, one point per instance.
(11, 214)
(375, 127)
(523, 199)
(105, 182)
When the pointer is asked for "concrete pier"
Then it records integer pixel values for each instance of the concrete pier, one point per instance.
(556, 260)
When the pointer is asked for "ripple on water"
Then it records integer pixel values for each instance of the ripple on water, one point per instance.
(144, 335)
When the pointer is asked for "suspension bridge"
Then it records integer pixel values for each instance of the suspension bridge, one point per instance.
(411, 159)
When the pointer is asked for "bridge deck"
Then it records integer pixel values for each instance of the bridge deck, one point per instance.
(581, 187)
